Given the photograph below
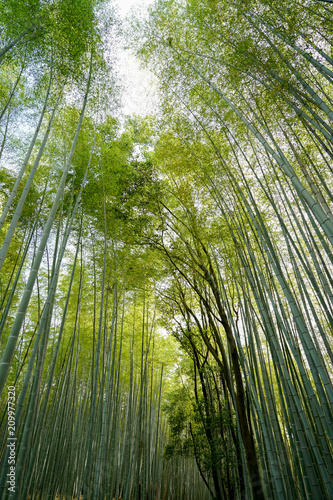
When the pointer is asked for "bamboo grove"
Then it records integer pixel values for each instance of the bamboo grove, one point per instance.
(166, 281)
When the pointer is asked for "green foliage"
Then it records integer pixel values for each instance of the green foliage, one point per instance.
(57, 33)
(197, 242)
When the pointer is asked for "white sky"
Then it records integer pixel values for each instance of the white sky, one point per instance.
(125, 5)
(139, 96)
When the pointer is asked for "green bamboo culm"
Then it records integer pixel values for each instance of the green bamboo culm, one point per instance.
(13, 336)
(172, 337)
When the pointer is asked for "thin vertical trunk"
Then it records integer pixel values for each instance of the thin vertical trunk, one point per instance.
(20, 205)
(26, 159)
(12, 93)
(15, 41)
(14, 333)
